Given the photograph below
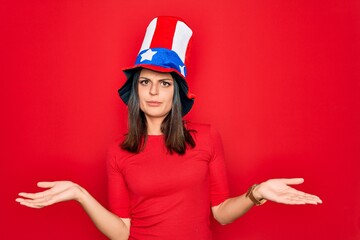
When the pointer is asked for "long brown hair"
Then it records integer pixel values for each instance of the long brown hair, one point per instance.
(177, 137)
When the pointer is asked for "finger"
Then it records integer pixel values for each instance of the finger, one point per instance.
(311, 198)
(35, 195)
(46, 184)
(31, 205)
(27, 203)
(291, 200)
(304, 201)
(302, 198)
(307, 196)
(36, 203)
(293, 181)
(36, 200)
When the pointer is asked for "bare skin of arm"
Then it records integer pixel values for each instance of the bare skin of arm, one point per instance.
(276, 190)
(109, 224)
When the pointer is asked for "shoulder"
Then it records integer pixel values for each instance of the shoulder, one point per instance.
(203, 132)
(115, 153)
(201, 128)
(195, 126)
(115, 145)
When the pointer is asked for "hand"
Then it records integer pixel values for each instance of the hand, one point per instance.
(278, 190)
(59, 191)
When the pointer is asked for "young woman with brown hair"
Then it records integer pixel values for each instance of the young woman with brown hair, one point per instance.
(166, 176)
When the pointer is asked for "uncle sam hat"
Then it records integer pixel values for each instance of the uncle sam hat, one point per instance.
(164, 49)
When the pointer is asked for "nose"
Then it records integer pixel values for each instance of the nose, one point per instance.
(154, 89)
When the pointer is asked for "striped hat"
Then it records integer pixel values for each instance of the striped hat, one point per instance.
(164, 49)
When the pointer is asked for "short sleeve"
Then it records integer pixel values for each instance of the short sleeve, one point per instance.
(117, 190)
(219, 188)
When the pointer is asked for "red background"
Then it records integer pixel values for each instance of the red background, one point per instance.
(279, 79)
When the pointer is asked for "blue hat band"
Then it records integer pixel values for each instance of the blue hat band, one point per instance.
(161, 57)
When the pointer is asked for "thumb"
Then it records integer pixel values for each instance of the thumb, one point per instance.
(293, 181)
(46, 184)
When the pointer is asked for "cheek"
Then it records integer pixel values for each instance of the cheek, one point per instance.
(170, 97)
(141, 106)
(142, 95)
(141, 99)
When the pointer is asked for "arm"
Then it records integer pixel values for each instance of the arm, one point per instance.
(231, 209)
(276, 190)
(111, 225)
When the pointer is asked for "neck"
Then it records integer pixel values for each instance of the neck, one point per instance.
(154, 125)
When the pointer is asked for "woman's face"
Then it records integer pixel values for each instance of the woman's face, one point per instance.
(156, 91)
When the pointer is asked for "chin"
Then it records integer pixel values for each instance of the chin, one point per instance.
(153, 114)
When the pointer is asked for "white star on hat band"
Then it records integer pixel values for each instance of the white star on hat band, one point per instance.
(162, 58)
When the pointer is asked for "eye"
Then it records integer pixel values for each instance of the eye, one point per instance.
(165, 83)
(144, 82)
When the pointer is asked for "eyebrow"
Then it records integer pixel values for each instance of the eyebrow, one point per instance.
(162, 79)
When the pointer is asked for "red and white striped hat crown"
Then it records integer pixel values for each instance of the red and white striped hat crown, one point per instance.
(165, 48)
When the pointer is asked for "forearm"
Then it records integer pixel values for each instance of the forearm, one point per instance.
(276, 190)
(231, 209)
(108, 223)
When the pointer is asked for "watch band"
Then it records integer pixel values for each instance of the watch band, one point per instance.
(250, 195)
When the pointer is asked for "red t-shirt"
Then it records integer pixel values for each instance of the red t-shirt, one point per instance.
(168, 196)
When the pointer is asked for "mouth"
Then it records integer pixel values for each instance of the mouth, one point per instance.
(153, 103)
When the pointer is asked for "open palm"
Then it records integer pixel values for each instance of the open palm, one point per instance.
(278, 190)
(58, 191)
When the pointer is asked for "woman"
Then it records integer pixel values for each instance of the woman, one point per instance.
(165, 176)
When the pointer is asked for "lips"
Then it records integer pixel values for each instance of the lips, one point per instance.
(153, 103)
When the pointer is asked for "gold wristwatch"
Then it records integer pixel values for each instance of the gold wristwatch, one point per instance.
(250, 195)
